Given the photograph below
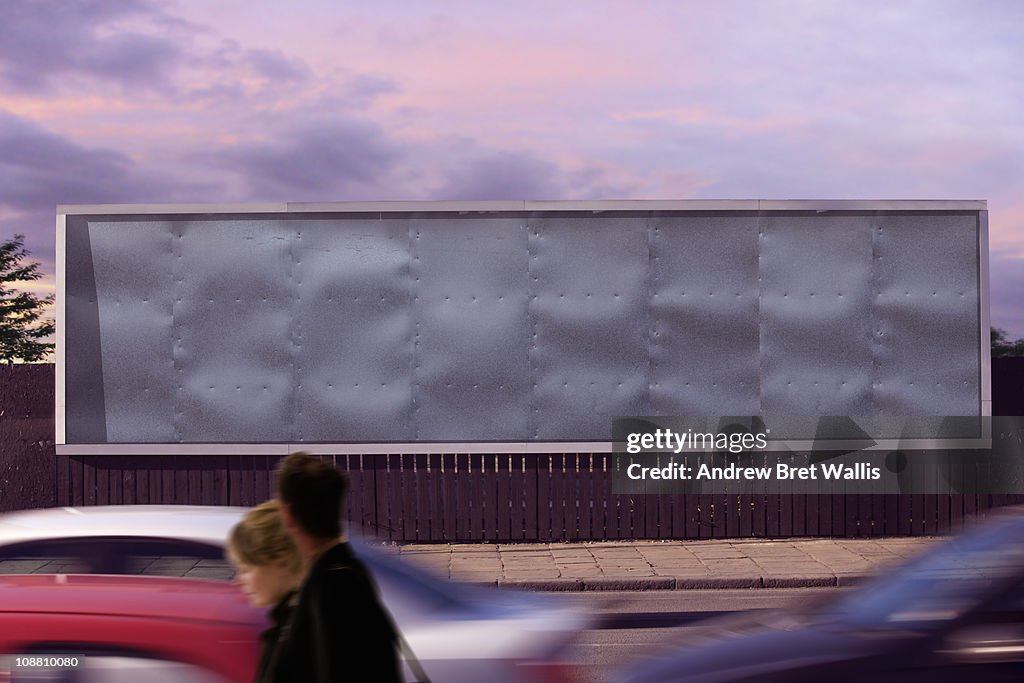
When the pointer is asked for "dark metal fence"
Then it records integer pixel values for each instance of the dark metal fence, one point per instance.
(450, 497)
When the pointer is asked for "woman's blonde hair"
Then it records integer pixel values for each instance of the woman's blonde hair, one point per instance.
(260, 538)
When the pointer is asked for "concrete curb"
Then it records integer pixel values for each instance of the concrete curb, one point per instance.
(669, 583)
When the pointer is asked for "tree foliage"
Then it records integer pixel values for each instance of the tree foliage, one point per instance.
(1002, 347)
(23, 329)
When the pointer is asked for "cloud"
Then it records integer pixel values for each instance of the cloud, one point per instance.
(276, 67)
(363, 89)
(40, 169)
(42, 41)
(496, 175)
(339, 158)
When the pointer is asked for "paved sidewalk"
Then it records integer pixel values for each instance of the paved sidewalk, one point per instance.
(665, 565)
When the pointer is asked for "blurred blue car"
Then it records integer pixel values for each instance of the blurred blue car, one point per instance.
(955, 613)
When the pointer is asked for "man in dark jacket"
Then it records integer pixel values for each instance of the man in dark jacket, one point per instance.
(340, 626)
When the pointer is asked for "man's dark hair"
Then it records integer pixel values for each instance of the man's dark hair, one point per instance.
(314, 490)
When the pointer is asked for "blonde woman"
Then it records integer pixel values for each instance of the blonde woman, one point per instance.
(269, 571)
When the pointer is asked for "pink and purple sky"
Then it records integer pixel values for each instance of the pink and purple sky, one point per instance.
(138, 101)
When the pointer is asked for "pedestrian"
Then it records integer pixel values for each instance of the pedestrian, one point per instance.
(340, 629)
(268, 569)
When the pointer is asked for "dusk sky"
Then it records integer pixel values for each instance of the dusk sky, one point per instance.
(241, 101)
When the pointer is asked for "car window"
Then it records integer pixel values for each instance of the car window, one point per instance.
(115, 555)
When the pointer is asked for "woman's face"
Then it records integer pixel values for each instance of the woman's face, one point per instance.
(263, 585)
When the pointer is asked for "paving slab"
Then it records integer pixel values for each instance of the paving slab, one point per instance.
(666, 565)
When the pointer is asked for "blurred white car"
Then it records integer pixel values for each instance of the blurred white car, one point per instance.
(458, 632)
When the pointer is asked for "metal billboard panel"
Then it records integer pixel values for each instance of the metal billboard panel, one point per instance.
(471, 334)
(588, 310)
(352, 330)
(483, 323)
(928, 312)
(815, 274)
(705, 338)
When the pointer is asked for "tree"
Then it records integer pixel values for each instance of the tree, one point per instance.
(1002, 347)
(22, 327)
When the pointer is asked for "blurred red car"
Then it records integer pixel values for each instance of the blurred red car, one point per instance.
(459, 633)
(127, 628)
